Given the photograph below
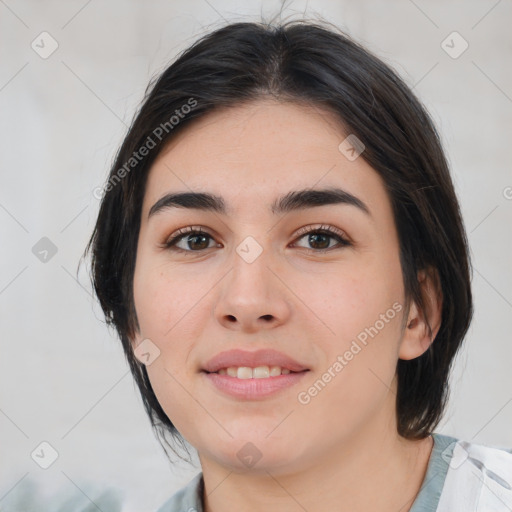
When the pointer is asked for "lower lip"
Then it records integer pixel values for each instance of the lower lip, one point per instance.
(253, 389)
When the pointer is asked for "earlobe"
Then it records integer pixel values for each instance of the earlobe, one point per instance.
(423, 324)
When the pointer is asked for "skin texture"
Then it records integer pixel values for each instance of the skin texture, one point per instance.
(340, 451)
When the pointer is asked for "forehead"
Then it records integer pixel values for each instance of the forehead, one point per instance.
(253, 153)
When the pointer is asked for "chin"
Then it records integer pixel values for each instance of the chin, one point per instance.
(255, 454)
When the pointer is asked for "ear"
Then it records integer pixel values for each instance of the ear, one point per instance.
(417, 336)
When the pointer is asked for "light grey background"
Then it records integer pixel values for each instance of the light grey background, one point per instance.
(63, 375)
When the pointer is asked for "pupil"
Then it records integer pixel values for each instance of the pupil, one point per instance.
(314, 239)
(195, 237)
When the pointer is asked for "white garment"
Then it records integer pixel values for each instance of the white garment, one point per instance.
(479, 479)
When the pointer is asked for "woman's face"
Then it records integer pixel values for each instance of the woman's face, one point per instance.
(253, 279)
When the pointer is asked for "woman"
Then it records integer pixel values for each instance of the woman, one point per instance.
(281, 251)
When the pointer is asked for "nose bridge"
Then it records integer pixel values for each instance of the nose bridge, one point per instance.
(251, 275)
(252, 295)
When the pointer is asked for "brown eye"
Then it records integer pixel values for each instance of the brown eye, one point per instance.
(198, 242)
(189, 240)
(319, 239)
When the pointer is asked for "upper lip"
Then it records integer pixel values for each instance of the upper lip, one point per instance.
(263, 357)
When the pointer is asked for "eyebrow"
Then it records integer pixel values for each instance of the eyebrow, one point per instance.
(292, 201)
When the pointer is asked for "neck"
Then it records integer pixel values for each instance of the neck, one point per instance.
(374, 470)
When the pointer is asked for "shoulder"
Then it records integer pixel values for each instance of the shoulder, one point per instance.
(31, 494)
(187, 499)
(478, 477)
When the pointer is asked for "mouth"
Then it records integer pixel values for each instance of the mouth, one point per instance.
(253, 375)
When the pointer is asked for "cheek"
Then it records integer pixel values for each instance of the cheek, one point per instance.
(354, 298)
(363, 308)
(360, 359)
(164, 297)
(167, 305)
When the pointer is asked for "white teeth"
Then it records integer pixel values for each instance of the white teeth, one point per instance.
(244, 372)
(260, 372)
(275, 371)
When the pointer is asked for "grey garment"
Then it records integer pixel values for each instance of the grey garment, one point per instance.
(27, 495)
(189, 498)
(432, 486)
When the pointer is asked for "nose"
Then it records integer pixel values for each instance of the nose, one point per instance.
(253, 296)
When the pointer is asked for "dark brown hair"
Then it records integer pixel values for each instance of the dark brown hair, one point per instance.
(307, 62)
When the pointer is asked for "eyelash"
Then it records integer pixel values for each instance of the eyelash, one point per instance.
(323, 229)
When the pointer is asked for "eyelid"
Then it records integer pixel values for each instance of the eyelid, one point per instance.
(321, 227)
